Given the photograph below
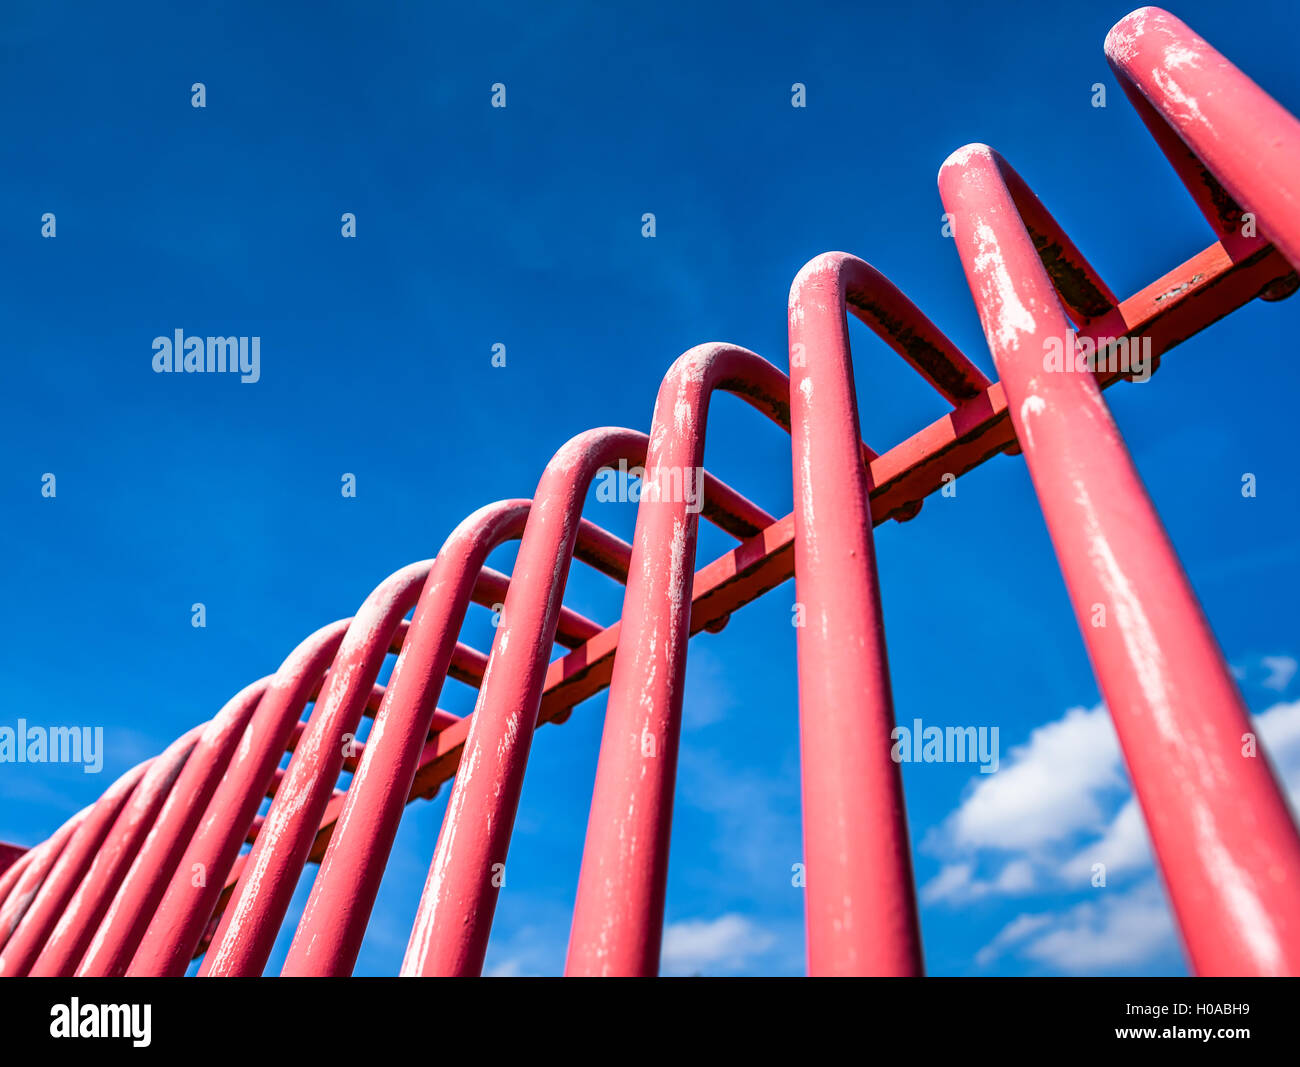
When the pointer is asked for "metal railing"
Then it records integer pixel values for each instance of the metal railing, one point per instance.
(151, 876)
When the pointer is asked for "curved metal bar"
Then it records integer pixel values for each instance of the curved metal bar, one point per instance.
(40, 859)
(1232, 144)
(876, 301)
(572, 631)
(859, 890)
(29, 936)
(1222, 833)
(67, 942)
(1219, 824)
(137, 898)
(455, 915)
(618, 916)
(175, 930)
(251, 920)
(353, 865)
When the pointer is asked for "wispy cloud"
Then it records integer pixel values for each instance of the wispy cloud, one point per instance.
(1273, 672)
(1123, 847)
(1114, 933)
(729, 943)
(958, 881)
(1064, 784)
(1281, 669)
(514, 967)
(1060, 812)
(1279, 728)
(533, 950)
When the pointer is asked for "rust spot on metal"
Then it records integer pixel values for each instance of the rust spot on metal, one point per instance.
(918, 349)
(1070, 279)
(776, 408)
(1228, 210)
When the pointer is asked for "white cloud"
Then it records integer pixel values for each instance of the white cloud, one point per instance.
(1060, 805)
(536, 947)
(1267, 672)
(953, 882)
(1279, 729)
(1123, 847)
(726, 943)
(1281, 669)
(1049, 789)
(956, 882)
(1015, 932)
(1116, 932)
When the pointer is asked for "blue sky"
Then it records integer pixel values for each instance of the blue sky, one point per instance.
(522, 226)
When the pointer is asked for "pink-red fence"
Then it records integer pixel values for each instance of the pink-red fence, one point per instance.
(150, 875)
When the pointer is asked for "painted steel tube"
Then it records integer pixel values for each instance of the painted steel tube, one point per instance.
(1238, 133)
(250, 922)
(334, 919)
(141, 890)
(455, 914)
(618, 915)
(353, 865)
(572, 631)
(67, 942)
(177, 927)
(1219, 825)
(29, 936)
(860, 897)
(39, 861)
(1224, 839)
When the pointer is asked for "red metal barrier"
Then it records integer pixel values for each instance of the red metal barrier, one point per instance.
(150, 876)
(618, 916)
(334, 920)
(1220, 827)
(861, 907)
(140, 891)
(31, 931)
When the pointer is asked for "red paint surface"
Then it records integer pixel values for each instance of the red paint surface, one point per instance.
(148, 876)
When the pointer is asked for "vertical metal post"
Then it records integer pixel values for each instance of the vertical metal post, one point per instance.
(618, 915)
(860, 900)
(455, 916)
(1220, 827)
